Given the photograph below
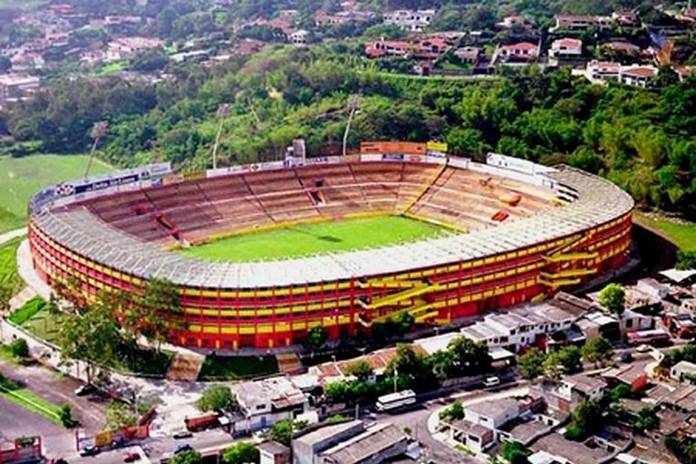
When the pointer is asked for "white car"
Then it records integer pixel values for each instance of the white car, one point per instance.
(491, 381)
(643, 348)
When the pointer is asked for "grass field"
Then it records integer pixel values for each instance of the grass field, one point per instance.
(9, 278)
(683, 236)
(303, 240)
(29, 400)
(20, 178)
(237, 367)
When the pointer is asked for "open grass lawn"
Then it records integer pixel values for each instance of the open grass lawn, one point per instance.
(28, 310)
(20, 178)
(29, 401)
(237, 367)
(303, 240)
(43, 324)
(683, 236)
(9, 278)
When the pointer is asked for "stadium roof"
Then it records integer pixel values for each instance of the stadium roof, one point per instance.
(598, 201)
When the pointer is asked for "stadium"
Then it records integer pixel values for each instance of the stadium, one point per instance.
(498, 233)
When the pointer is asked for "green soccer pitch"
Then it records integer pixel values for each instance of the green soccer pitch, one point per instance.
(308, 239)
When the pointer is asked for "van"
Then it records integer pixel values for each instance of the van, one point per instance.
(491, 381)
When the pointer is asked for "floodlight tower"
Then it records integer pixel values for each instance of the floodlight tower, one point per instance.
(222, 112)
(98, 131)
(353, 105)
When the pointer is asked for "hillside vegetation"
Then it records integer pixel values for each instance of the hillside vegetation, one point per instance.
(644, 140)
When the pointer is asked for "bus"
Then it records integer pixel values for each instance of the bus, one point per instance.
(396, 400)
(653, 337)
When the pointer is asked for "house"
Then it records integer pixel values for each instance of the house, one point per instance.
(380, 442)
(509, 22)
(427, 49)
(633, 376)
(598, 323)
(681, 399)
(580, 22)
(306, 447)
(639, 76)
(683, 370)
(625, 18)
(409, 20)
(619, 46)
(632, 321)
(554, 449)
(126, 47)
(653, 288)
(582, 386)
(519, 51)
(684, 71)
(300, 37)
(602, 71)
(17, 86)
(469, 55)
(474, 436)
(492, 414)
(349, 442)
(265, 402)
(272, 452)
(563, 48)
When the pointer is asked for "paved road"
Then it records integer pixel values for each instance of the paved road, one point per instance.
(17, 422)
(7, 236)
(58, 390)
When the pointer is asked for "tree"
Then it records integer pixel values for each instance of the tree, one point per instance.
(531, 363)
(66, 417)
(316, 338)
(411, 369)
(19, 348)
(362, 370)
(514, 452)
(157, 312)
(567, 360)
(5, 64)
(187, 457)
(598, 350)
(453, 413)
(282, 430)
(241, 453)
(612, 298)
(586, 418)
(685, 260)
(118, 416)
(470, 357)
(216, 398)
(647, 420)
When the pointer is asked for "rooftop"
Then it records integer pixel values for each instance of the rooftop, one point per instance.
(277, 390)
(321, 434)
(491, 408)
(373, 440)
(584, 383)
(571, 451)
(273, 447)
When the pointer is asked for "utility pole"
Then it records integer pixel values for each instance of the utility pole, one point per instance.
(222, 112)
(353, 105)
(98, 131)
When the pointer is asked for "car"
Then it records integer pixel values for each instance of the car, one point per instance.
(89, 450)
(181, 448)
(85, 389)
(643, 348)
(626, 357)
(182, 434)
(131, 457)
(491, 381)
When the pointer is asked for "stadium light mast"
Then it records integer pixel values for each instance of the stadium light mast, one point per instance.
(353, 105)
(222, 112)
(98, 131)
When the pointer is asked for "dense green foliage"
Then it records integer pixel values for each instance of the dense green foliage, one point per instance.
(686, 260)
(598, 350)
(641, 139)
(612, 298)
(241, 453)
(514, 452)
(216, 398)
(28, 310)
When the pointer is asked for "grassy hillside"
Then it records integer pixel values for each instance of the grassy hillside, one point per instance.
(20, 178)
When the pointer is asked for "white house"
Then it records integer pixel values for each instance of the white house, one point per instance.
(639, 76)
(602, 71)
(492, 414)
(265, 402)
(581, 22)
(300, 37)
(586, 387)
(566, 47)
(409, 20)
(682, 369)
(524, 50)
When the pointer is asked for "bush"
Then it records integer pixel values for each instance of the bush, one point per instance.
(19, 348)
(216, 398)
(66, 417)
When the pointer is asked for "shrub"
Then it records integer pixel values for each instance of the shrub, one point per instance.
(19, 348)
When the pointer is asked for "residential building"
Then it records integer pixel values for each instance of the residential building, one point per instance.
(639, 76)
(429, 48)
(684, 71)
(653, 288)
(126, 47)
(683, 370)
(633, 376)
(681, 399)
(409, 20)
(379, 443)
(509, 22)
(519, 51)
(582, 386)
(555, 449)
(272, 452)
(492, 414)
(581, 22)
(300, 37)
(17, 86)
(566, 48)
(476, 437)
(265, 402)
(602, 71)
(625, 18)
(619, 46)
(307, 447)
(598, 323)
(469, 55)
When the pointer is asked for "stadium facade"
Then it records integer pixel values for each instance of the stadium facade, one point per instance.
(520, 231)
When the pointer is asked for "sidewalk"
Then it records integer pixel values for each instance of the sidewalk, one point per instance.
(7, 236)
